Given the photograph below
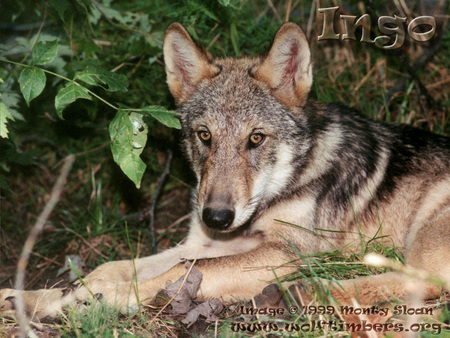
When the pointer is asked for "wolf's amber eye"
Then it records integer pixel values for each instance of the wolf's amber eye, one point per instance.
(257, 139)
(204, 136)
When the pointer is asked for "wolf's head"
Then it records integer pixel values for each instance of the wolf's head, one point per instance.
(242, 121)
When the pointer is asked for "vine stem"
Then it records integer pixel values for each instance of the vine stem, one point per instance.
(136, 110)
(68, 80)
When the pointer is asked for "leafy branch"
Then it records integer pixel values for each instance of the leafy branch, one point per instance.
(128, 130)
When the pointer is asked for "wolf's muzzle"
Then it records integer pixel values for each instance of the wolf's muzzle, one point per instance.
(218, 219)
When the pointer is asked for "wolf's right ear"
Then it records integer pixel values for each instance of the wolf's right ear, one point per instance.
(287, 69)
(186, 64)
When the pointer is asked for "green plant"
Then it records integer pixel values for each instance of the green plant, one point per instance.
(128, 131)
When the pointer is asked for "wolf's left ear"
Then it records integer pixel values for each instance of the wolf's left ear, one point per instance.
(287, 69)
(186, 64)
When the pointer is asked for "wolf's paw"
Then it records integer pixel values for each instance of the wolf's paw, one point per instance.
(120, 295)
(48, 303)
(39, 304)
(7, 297)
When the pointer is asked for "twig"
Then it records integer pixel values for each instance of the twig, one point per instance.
(179, 289)
(437, 84)
(364, 79)
(93, 248)
(158, 189)
(138, 64)
(31, 240)
(274, 10)
(37, 35)
(288, 10)
(178, 221)
(309, 27)
(419, 89)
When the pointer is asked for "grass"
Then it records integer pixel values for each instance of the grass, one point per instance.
(98, 200)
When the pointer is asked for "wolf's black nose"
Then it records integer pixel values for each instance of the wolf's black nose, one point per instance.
(218, 219)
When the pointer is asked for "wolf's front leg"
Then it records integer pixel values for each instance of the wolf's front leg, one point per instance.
(38, 304)
(46, 304)
(49, 302)
(229, 278)
(113, 282)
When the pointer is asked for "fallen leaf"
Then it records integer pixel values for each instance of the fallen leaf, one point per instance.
(183, 291)
(182, 302)
(208, 309)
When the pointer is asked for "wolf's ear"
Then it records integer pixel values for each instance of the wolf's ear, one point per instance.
(186, 64)
(287, 68)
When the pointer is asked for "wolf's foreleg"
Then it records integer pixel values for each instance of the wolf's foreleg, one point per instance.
(239, 276)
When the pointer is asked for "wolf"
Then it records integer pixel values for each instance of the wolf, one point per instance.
(266, 158)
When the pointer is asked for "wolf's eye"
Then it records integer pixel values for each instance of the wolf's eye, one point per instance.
(204, 136)
(256, 139)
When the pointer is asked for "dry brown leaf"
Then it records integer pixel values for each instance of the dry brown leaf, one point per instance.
(183, 291)
(208, 309)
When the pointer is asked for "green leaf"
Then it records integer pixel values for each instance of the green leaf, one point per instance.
(32, 82)
(12, 100)
(128, 133)
(61, 7)
(194, 6)
(166, 117)
(44, 52)
(98, 77)
(5, 115)
(69, 94)
(235, 38)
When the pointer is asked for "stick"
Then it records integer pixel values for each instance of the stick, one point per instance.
(31, 240)
(158, 189)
